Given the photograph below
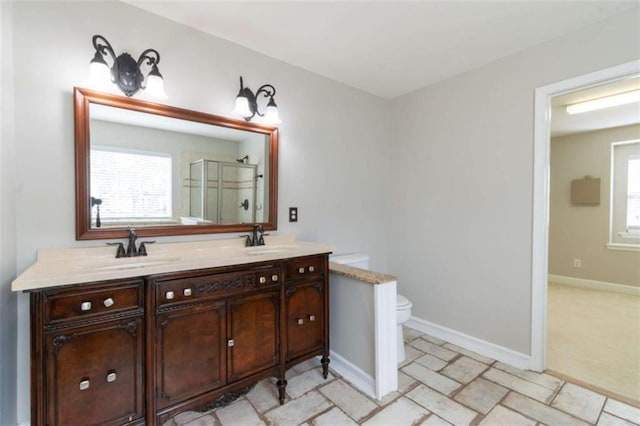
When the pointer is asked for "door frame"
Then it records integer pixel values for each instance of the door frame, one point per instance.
(541, 171)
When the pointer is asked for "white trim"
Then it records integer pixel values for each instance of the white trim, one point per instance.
(595, 285)
(541, 164)
(386, 326)
(353, 374)
(623, 247)
(488, 349)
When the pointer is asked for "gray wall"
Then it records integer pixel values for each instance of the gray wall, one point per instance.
(8, 307)
(333, 145)
(463, 183)
(579, 232)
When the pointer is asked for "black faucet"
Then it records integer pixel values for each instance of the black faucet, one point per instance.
(256, 238)
(131, 251)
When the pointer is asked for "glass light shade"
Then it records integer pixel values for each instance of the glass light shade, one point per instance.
(271, 115)
(99, 75)
(242, 107)
(155, 87)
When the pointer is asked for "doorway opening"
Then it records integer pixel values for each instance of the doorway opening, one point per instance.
(542, 158)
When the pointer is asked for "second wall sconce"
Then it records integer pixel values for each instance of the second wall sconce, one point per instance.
(125, 71)
(247, 103)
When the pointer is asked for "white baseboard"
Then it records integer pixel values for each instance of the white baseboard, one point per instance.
(353, 374)
(595, 285)
(482, 347)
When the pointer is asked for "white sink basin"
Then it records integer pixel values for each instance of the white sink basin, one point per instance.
(134, 263)
(260, 250)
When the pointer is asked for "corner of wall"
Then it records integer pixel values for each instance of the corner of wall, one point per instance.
(8, 300)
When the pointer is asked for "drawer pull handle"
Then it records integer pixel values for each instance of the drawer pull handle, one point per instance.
(84, 385)
(108, 302)
(169, 295)
(301, 270)
(230, 343)
(263, 280)
(300, 321)
(111, 376)
(85, 306)
(274, 277)
(187, 292)
(312, 317)
(311, 269)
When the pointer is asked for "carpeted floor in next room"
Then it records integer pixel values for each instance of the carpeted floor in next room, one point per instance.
(440, 384)
(594, 336)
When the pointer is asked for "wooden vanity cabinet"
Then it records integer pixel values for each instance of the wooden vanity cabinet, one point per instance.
(88, 354)
(307, 310)
(216, 331)
(141, 350)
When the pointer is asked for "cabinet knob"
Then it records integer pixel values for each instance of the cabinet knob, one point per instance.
(84, 384)
(311, 269)
(169, 295)
(301, 270)
(186, 292)
(300, 321)
(111, 376)
(230, 343)
(274, 277)
(108, 302)
(85, 306)
(263, 280)
(312, 317)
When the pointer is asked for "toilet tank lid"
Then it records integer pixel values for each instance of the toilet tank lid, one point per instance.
(402, 302)
(350, 259)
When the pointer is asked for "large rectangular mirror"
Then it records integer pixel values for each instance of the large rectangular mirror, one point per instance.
(169, 171)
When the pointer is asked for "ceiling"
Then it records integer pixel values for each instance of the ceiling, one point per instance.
(390, 48)
(386, 48)
(563, 124)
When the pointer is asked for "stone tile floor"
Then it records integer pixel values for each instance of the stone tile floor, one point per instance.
(439, 384)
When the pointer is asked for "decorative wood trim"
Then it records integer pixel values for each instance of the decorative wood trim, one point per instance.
(82, 100)
(228, 284)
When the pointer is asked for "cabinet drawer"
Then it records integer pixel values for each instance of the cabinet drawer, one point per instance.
(78, 302)
(305, 267)
(215, 285)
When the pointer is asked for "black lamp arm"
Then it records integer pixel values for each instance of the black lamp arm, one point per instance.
(151, 56)
(103, 48)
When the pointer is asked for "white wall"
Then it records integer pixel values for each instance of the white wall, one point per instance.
(8, 308)
(333, 141)
(463, 187)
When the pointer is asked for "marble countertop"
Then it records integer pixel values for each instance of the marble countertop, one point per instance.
(57, 267)
(360, 274)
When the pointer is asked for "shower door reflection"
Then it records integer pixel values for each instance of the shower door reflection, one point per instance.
(222, 192)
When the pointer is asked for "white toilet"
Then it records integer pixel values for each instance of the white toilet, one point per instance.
(403, 305)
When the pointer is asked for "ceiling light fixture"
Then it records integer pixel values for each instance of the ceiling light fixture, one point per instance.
(606, 102)
(247, 103)
(125, 71)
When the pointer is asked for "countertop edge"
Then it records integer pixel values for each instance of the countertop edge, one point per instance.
(365, 275)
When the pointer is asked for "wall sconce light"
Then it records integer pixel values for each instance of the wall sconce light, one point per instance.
(125, 71)
(247, 103)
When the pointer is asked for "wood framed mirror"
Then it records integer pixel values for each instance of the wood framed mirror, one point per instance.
(169, 171)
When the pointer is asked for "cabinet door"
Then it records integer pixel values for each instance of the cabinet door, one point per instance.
(190, 352)
(94, 374)
(305, 319)
(253, 328)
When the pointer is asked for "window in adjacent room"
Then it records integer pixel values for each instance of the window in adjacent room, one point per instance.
(625, 195)
(134, 186)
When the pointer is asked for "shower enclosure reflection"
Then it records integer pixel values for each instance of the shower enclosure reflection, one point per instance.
(223, 192)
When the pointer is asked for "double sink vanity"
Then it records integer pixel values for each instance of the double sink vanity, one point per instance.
(138, 340)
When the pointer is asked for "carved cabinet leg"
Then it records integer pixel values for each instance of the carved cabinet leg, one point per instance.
(325, 366)
(282, 385)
